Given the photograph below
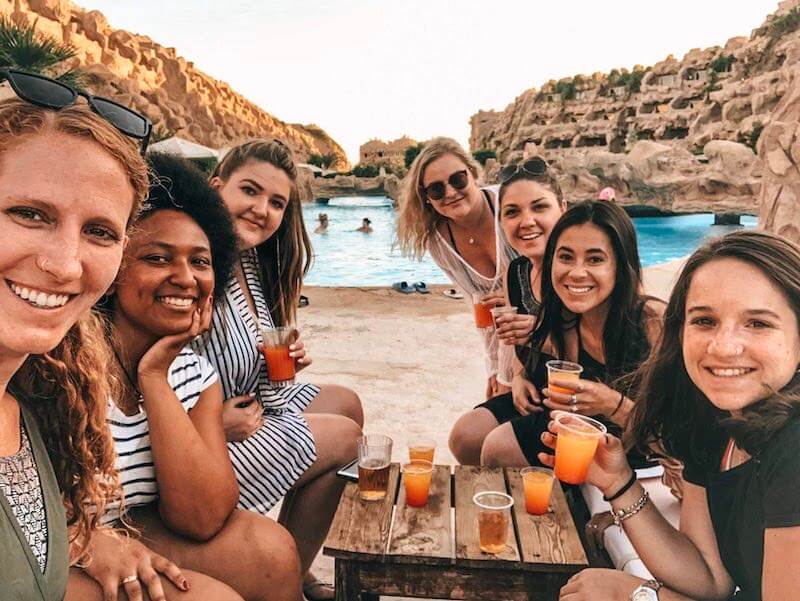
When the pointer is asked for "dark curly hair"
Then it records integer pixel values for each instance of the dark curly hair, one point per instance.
(177, 185)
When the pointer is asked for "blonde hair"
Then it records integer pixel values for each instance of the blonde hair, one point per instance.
(417, 220)
(67, 389)
(286, 256)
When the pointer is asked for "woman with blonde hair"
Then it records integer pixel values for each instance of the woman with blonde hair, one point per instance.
(283, 437)
(445, 213)
(71, 181)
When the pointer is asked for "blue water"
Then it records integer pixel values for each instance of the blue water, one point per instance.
(344, 257)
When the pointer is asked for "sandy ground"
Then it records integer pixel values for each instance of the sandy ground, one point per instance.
(415, 360)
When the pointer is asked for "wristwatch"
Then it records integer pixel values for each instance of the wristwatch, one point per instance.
(647, 591)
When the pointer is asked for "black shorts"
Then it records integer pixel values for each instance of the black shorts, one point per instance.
(527, 428)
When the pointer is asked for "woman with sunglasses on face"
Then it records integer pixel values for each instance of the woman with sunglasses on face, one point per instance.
(531, 203)
(445, 213)
(70, 183)
(282, 438)
(593, 313)
(179, 489)
(721, 392)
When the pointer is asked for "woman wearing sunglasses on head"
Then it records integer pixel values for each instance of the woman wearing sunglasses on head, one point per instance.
(445, 213)
(530, 202)
(71, 181)
(722, 393)
(284, 438)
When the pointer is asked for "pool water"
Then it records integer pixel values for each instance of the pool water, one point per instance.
(345, 257)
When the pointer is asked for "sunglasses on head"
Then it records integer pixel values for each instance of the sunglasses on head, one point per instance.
(51, 94)
(534, 167)
(436, 190)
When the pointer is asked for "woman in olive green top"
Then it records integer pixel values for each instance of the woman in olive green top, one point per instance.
(70, 181)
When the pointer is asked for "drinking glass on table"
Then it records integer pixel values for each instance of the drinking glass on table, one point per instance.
(493, 520)
(275, 345)
(578, 436)
(374, 459)
(417, 481)
(421, 449)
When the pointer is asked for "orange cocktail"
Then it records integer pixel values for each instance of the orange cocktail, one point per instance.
(562, 370)
(483, 315)
(422, 450)
(576, 443)
(417, 480)
(276, 341)
(538, 484)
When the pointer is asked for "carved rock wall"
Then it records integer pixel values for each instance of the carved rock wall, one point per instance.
(179, 98)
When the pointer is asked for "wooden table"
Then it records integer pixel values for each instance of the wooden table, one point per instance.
(385, 549)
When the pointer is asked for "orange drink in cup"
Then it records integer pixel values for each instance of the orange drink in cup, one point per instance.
(417, 481)
(562, 370)
(576, 443)
(421, 449)
(494, 518)
(538, 484)
(483, 313)
(276, 341)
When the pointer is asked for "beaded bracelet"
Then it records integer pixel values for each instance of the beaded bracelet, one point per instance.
(620, 515)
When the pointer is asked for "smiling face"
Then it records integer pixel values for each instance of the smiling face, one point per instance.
(64, 206)
(456, 204)
(256, 194)
(584, 268)
(528, 213)
(739, 341)
(166, 275)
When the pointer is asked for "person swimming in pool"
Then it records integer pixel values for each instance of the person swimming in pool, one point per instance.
(366, 227)
(322, 228)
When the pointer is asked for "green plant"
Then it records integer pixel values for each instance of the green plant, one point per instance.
(484, 155)
(712, 85)
(316, 160)
(411, 153)
(365, 171)
(780, 26)
(21, 47)
(632, 80)
(721, 64)
(207, 166)
(566, 89)
(696, 150)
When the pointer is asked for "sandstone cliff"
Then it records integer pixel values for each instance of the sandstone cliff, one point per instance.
(677, 135)
(179, 98)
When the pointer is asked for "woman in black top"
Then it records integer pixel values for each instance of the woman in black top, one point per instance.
(722, 393)
(593, 313)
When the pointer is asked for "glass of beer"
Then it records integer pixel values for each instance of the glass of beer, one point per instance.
(494, 518)
(374, 459)
(417, 480)
(504, 310)
(538, 484)
(276, 341)
(483, 314)
(562, 370)
(576, 443)
(421, 449)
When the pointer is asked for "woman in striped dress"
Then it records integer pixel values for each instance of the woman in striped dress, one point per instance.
(282, 439)
(179, 488)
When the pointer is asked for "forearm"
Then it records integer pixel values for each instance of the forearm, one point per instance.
(621, 411)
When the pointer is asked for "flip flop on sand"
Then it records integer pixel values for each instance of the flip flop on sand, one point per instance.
(453, 293)
(403, 287)
(303, 302)
(421, 287)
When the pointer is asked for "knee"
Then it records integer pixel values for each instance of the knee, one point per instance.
(349, 404)
(276, 554)
(465, 441)
(500, 448)
(348, 431)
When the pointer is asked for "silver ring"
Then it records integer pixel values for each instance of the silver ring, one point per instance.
(130, 578)
(573, 398)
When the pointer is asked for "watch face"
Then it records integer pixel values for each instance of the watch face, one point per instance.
(644, 594)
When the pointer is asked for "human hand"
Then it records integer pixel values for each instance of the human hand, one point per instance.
(115, 561)
(590, 398)
(496, 298)
(491, 387)
(158, 358)
(526, 397)
(514, 329)
(297, 351)
(242, 416)
(609, 469)
(594, 584)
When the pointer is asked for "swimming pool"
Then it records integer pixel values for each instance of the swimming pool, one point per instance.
(344, 257)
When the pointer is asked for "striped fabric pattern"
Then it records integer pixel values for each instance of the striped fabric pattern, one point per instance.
(189, 375)
(268, 463)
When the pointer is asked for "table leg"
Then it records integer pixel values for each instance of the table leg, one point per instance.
(370, 597)
(346, 582)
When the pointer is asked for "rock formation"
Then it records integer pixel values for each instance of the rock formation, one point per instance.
(386, 154)
(179, 98)
(677, 135)
(312, 187)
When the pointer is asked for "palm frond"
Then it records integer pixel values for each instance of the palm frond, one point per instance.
(21, 47)
(74, 78)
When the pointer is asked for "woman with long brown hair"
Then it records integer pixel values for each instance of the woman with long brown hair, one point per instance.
(283, 438)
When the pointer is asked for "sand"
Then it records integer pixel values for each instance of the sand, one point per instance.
(415, 360)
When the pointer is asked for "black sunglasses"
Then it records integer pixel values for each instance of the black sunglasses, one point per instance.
(51, 94)
(436, 190)
(534, 167)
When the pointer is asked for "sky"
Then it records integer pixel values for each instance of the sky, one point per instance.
(364, 69)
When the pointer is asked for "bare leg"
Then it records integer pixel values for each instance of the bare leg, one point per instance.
(338, 400)
(308, 509)
(501, 449)
(468, 434)
(82, 587)
(252, 554)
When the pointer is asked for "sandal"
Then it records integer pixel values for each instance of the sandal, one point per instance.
(316, 590)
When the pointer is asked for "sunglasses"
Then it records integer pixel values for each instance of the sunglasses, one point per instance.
(51, 94)
(534, 167)
(436, 190)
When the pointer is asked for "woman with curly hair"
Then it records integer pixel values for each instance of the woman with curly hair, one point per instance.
(721, 392)
(71, 181)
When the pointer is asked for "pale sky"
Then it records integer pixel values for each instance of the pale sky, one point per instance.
(365, 69)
